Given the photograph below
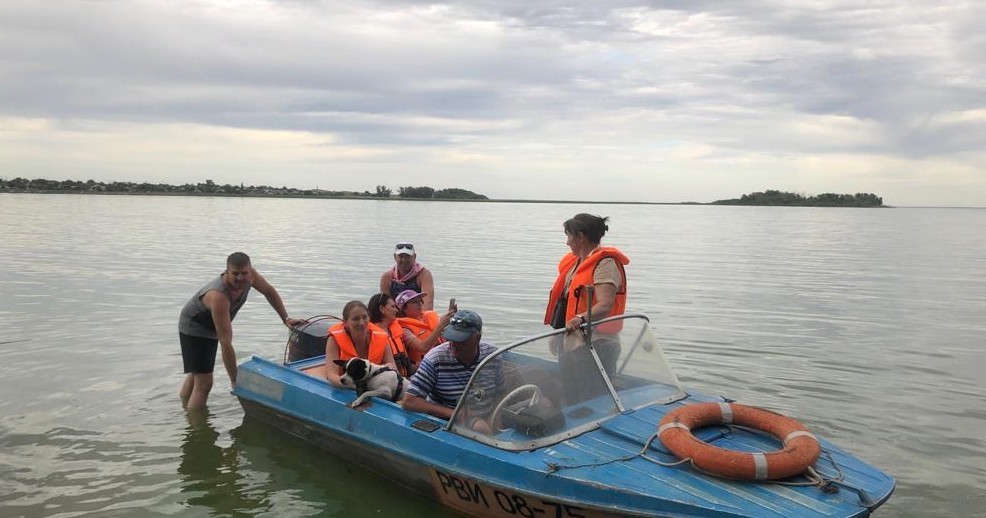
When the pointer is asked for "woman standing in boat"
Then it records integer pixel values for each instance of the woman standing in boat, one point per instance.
(383, 318)
(587, 264)
(352, 338)
(408, 274)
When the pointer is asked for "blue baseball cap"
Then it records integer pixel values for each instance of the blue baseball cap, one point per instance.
(463, 325)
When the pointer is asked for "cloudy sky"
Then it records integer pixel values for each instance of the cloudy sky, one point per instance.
(660, 101)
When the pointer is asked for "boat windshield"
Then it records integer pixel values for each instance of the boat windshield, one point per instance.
(556, 385)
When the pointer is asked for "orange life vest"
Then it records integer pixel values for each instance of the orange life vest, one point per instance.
(396, 340)
(420, 329)
(576, 302)
(395, 337)
(347, 350)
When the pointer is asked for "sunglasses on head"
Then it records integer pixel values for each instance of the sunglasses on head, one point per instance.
(454, 321)
(405, 245)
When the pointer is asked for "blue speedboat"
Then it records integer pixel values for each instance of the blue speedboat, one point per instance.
(565, 442)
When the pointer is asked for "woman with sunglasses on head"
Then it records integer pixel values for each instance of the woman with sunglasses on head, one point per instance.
(408, 274)
(383, 319)
(588, 263)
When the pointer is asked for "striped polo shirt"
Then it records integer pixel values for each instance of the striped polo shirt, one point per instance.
(440, 377)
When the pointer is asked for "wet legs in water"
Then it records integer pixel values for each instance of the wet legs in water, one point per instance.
(195, 390)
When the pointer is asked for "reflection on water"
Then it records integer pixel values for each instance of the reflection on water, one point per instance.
(211, 474)
(258, 469)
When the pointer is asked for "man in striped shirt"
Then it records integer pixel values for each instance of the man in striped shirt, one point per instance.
(445, 370)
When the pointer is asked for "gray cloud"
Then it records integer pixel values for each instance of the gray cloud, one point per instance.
(892, 81)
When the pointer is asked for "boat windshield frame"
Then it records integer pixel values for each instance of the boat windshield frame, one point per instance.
(660, 387)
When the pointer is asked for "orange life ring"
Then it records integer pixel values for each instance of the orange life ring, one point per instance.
(801, 448)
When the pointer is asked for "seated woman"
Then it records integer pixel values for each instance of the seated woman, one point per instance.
(422, 329)
(353, 338)
(383, 319)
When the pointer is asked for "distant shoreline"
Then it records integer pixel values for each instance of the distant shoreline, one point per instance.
(328, 197)
(320, 197)
(770, 198)
(374, 198)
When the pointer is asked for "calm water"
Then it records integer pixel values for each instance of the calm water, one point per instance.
(868, 325)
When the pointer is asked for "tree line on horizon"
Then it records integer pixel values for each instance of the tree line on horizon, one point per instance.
(772, 197)
(426, 193)
(211, 188)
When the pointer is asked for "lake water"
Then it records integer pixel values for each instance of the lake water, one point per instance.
(868, 325)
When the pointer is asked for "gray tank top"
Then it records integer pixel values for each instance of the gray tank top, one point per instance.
(196, 319)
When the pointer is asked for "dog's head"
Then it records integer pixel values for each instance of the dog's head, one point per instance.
(354, 369)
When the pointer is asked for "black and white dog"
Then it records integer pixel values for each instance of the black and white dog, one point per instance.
(370, 379)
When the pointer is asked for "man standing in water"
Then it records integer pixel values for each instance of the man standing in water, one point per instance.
(207, 321)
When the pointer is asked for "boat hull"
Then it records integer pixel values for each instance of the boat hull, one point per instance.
(595, 474)
(451, 488)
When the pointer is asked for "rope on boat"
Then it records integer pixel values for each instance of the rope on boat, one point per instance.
(301, 327)
(552, 467)
(828, 485)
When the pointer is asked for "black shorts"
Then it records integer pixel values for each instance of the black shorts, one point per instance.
(198, 353)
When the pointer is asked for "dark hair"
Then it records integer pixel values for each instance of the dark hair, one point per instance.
(238, 260)
(592, 227)
(348, 308)
(374, 306)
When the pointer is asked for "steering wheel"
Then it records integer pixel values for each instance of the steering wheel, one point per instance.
(515, 394)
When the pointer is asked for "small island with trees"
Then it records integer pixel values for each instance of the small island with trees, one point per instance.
(791, 199)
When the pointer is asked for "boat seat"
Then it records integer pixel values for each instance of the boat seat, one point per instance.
(317, 371)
